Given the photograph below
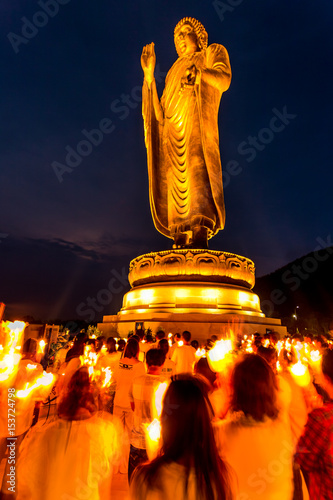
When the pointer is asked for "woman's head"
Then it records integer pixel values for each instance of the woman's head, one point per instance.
(111, 345)
(79, 396)
(254, 388)
(203, 369)
(269, 354)
(187, 438)
(121, 345)
(185, 418)
(132, 349)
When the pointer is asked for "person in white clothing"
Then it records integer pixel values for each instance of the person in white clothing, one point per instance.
(129, 367)
(188, 467)
(184, 356)
(71, 457)
(169, 365)
(253, 438)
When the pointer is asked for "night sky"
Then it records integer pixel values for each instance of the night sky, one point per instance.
(65, 233)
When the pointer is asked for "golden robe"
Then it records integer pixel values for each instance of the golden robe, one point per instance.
(184, 166)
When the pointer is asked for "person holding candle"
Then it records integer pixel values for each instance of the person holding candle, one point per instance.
(129, 367)
(253, 438)
(142, 403)
(188, 466)
(168, 366)
(73, 456)
(184, 355)
(315, 447)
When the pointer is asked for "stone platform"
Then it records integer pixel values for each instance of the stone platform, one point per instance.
(204, 291)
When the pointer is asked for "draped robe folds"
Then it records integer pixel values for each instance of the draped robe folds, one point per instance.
(184, 166)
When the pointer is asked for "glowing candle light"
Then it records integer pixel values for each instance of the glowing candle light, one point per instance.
(217, 356)
(158, 398)
(107, 376)
(153, 435)
(153, 430)
(200, 353)
(315, 356)
(31, 367)
(9, 359)
(300, 374)
(315, 360)
(41, 347)
(45, 381)
(279, 346)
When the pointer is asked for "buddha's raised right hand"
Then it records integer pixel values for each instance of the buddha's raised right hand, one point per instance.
(148, 62)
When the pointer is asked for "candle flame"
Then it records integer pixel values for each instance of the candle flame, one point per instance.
(300, 374)
(154, 430)
(107, 376)
(315, 356)
(41, 347)
(158, 398)
(9, 359)
(200, 353)
(217, 356)
(46, 380)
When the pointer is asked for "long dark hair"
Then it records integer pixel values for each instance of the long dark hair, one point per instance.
(132, 349)
(79, 395)
(187, 437)
(254, 387)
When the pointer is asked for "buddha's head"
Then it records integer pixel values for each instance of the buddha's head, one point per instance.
(190, 36)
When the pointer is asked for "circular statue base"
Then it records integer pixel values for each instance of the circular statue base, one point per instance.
(204, 291)
(192, 265)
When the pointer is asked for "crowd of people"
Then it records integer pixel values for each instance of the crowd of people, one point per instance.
(252, 429)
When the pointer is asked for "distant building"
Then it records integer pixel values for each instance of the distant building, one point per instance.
(49, 333)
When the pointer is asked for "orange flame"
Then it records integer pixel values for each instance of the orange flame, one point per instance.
(217, 356)
(45, 381)
(9, 359)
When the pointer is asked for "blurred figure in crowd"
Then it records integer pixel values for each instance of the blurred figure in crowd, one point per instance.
(141, 397)
(71, 457)
(253, 439)
(184, 356)
(188, 466)
(129, 367)
(315, 447)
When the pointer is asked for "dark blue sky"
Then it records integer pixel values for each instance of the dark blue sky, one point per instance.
(59, 241)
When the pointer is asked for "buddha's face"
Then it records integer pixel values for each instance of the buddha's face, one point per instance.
(186, 40)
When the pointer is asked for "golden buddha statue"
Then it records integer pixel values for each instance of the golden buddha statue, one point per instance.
(182, 140)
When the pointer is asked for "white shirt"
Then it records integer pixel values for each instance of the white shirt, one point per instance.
(67, 459)
(261, 455)
(184, 358)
